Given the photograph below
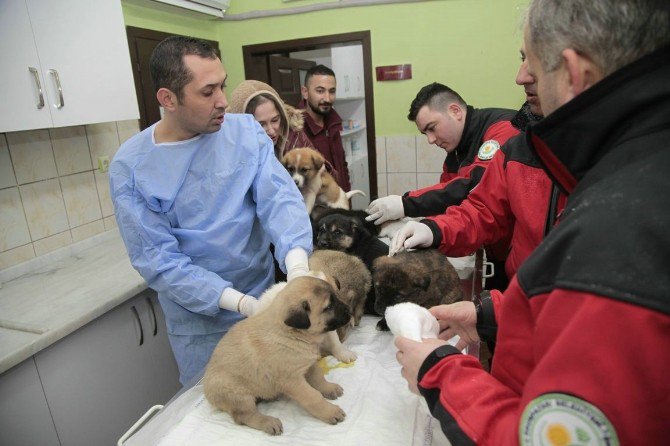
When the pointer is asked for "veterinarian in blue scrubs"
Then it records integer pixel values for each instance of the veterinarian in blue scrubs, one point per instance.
(199, 199)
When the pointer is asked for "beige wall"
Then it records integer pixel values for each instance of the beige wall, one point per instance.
(51, 192)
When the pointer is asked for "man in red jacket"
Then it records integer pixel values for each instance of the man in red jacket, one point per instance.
(582, 342)
(322, 123)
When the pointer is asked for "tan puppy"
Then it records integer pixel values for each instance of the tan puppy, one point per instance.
(332, 342)
(308, 169)
(274, 353)
(353, 277)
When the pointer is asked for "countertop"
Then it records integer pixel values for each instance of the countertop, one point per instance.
(53, 296)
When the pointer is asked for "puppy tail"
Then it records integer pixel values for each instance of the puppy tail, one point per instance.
(351, 193)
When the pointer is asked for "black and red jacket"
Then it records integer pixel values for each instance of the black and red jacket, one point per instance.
(586, 320)
(462, 168)
(513, 199)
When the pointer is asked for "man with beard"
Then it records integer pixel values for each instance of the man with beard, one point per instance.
(322, 123)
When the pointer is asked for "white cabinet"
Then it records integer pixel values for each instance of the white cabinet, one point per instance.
(24, 415)
(75, 52)
(347, 62)
(101, 378)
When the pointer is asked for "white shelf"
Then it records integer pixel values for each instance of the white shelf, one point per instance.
(348, 132)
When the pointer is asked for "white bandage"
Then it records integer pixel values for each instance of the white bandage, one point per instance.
(411, 321)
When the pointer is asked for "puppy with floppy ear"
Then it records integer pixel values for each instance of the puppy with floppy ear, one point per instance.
(274, 353)
(308, 169)
(332, 343)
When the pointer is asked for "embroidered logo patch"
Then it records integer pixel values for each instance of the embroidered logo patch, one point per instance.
(556, 419)
(488, 149)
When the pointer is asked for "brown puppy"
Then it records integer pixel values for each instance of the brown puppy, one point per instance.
(308, 170)
(353, 277)
(424, 277)
(274, 353)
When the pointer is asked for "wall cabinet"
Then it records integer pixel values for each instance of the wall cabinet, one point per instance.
(347, 64)
(100, 379)
(64, 63)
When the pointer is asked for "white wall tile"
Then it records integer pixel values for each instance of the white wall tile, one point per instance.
(45, 211)
(32, 155)
(7, 178)
(81, 198)
(382, 186)
(102, 183)
(103, 140)
(16, 256)
(127, 129)
(52, 243)
(88, 230)
(426, 179)
(71, 149)
(400, 153)
(399, 183)
(110, 222)
(429, 157)
(380, 143)
(13, 225)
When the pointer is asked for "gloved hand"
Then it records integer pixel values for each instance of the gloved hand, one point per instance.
(412, 235)
(385, 209)
(296, 263)
(247, 305)
(233, 300)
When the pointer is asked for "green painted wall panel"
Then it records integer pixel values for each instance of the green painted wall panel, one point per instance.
(470, 45)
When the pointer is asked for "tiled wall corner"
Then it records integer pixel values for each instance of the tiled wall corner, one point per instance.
(51, 192)
(406, 162)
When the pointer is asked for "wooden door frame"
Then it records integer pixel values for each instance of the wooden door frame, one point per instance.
(312, 43)
(134, 33)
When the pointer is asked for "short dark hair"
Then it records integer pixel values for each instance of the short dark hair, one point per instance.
(318, 70)
(436, 96)
(167, 62)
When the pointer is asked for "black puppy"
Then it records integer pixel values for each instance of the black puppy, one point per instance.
(347, 231)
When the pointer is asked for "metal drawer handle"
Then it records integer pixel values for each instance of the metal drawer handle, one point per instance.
(36, 76)
(153, 313)
(137, 316)
(61, 102)
(135, 427)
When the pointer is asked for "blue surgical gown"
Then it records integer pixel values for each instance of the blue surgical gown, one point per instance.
(198, 216)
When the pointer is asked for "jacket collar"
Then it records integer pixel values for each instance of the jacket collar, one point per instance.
(467, 137)
(628, 103)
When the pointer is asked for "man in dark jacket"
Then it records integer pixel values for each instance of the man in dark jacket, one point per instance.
(322, 123)
(582, 342)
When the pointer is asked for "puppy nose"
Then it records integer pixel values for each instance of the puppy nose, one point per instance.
(321, 243)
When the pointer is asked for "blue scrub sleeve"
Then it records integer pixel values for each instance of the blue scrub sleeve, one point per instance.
(280, 206)
(154, 253)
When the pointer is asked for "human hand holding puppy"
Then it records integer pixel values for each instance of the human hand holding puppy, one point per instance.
(385, 209)
(412, 235)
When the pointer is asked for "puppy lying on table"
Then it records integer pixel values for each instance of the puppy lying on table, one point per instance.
(274, 353)
(308, 170)
(423, 276)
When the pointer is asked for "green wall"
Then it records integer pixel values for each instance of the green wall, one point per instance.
(470, 45)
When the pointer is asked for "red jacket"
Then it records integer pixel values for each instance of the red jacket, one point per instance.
(463, 167)
(583, 344)
(512, 199)
(328, 141)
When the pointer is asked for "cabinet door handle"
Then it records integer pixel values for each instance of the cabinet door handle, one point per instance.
(153, 313)
(137, 316)
(36, 76)
(61, 102)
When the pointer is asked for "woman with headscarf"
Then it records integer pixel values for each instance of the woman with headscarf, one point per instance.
(282, 123)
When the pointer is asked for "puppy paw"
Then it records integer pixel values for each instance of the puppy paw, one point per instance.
(382, 325)
(272, 426)
(332, 391)
(333, 414)
(345, 355)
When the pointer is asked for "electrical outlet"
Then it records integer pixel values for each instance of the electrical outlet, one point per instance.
(103, 163)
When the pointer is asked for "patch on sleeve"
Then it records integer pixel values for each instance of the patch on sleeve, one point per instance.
(557, 419)
(488, 149)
